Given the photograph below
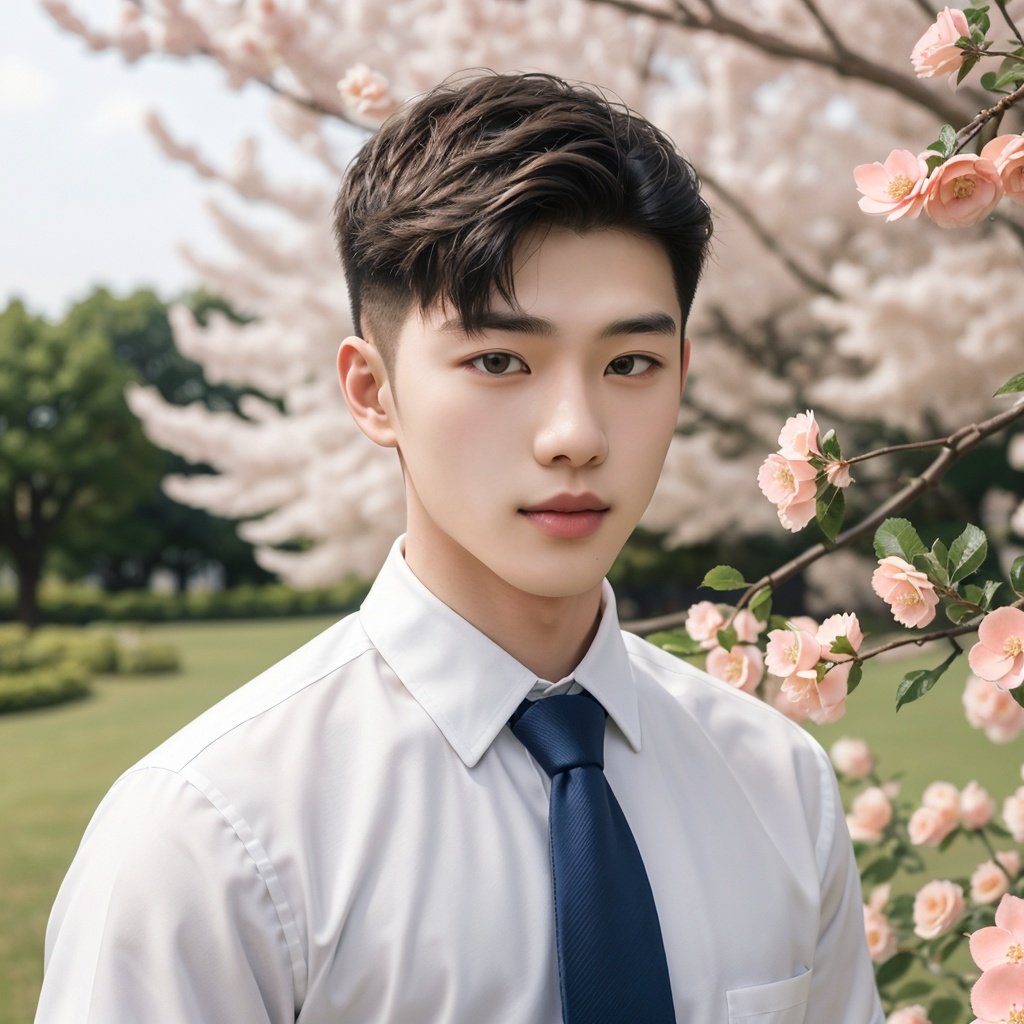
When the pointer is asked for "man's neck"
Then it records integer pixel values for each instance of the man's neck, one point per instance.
(549, 635)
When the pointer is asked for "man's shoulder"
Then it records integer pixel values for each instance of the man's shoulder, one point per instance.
(293, 690)
(712, 703)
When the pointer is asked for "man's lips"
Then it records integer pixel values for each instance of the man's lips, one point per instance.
(569, 503)
(567, 516)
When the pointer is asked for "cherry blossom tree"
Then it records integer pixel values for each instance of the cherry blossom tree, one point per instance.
(807, 301)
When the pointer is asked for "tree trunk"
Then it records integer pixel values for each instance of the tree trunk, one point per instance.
(29, 567)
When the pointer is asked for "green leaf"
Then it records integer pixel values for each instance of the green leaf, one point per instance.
(842, 645)
(1017, 575)
(677, 642)
(894, 968)
(932, 568)
(934, 161)
(761, 604)
(724, 577)
(727, 637)
(778, 622)
(829, 511)
(947, 139)
(1012, 386)
(967, 553)
(898, 537)
(879, 871)
(966, 68)
(1018, 695)
(948, 840)
(989, 592)
(915, 685)
(853, 680)
(941, 552)
(988, 81)
(957, 612)
(829, 446)
(945, 1010)
(913, 989)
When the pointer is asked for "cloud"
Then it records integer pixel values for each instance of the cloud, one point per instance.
(119, 113)
(23, 86)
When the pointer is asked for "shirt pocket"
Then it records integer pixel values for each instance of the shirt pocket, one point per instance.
(779, 1002)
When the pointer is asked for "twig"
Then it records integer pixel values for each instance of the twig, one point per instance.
(961, 442)
(767, 239)
(1001, 4)
(847, 64)
(826, 27)
(979, 120)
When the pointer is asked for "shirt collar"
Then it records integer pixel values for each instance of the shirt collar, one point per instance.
(465, 682)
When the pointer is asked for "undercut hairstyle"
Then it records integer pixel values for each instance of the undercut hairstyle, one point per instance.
(433, 206)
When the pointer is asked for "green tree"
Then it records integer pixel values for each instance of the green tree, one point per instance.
(156, 531)
(72, 455)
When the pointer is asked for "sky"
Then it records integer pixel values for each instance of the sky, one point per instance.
(86, 198)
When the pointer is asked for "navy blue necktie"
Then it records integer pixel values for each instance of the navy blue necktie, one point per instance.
(611, 958)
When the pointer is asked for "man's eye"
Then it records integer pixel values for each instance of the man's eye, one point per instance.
(630, 366)
(499, 364)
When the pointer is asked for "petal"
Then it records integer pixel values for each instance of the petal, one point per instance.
(997, 990)
(1010, 915)
(987, 663)
(999, 625)
(872, 180)
(989, 946)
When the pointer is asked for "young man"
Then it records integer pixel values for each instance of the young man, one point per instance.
(421, 816)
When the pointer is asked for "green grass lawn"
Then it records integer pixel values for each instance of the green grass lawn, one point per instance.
(56, 764)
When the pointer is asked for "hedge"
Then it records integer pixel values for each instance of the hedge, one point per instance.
(73, 603)
(39, 687)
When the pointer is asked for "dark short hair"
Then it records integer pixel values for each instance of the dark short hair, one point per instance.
(433, 205)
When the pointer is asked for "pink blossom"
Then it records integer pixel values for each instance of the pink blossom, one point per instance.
(937, 907)
(771, 692)
(366, 91)
(880, 936)
(1013, 814)
(962, 191)
(895, 188)
(851, 757)
(990, 881)
(748, 626)
(909, 593)
(838, 473)
(789, 485)
(703, 621)
(936, 52)
(998, 656)
(942, 796)
(989, 707)
(929, 826)
(791, 650)
(804, 622)
(1007, 153)
(909, 1015)
(976, 806)
(870, 814)
(821, 700)
(741, 667)
(799, 437)
(833, 628)
(1004, 942)
(998, 995)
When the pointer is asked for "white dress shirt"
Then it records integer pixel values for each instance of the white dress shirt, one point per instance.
(356, 837)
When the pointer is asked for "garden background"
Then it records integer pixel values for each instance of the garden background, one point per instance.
(180, 480)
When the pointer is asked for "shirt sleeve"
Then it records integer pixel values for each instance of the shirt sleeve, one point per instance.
(164, 917)
(843, 987)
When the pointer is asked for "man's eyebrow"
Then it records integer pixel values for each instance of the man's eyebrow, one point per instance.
(522, 323)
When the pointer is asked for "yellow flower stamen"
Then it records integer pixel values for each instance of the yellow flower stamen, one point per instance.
(1015, 954)
(1013, 646)
(962, 187)
(910, 599)
(899, 186)
(785, 476)
(1016, 1016)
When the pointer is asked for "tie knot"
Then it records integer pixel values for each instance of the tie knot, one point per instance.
(562, 732)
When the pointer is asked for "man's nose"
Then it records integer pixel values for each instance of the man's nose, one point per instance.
(572, 429)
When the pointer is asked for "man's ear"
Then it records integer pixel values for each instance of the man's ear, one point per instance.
(367, 390)
(685, 365)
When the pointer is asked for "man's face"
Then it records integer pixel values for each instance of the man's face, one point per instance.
(532, 448)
